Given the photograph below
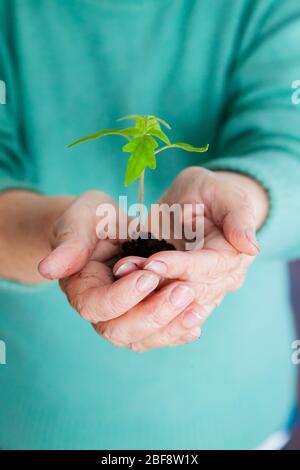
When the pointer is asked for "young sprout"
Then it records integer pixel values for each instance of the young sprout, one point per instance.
(142, 144)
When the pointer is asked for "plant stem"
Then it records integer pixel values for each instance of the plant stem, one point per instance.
(141, 199)
(165, 147)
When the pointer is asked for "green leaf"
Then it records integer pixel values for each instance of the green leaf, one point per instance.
(183, 146)
(162, 121)
(142, 156)
(160, 135)
(140, 121)
(152, 123)
(142, 143)
(137, 116)
(129, 116)
(127, 133)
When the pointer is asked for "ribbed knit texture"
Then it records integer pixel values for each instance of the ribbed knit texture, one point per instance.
(220, 71)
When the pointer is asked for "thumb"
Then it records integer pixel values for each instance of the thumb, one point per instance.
(73, 242)
(239, 230)
(238, 222)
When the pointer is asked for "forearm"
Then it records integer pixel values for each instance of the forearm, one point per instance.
(26, 230)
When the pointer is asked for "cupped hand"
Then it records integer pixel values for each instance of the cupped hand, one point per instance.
(122, 311)
(83, 263)
(235, 206)
(164, 300)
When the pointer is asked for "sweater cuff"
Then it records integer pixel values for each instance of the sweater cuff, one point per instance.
(279, 174)
(13, 183)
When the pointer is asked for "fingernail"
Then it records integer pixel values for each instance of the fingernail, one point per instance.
(193, 334)
(197, 333)
(147, 282)
(126, 268)
(157, 266)
(44, 271)
(250, 235)
(181, 296)
(191, 318)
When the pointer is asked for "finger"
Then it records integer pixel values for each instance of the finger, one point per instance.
(190, 319)
(74, 237)
(193, 317)
(93, 294)
(131, 263)
(234, 213)
(127, 265)
(150, 315)
(188, 337)
(239, 231)
(194, 266)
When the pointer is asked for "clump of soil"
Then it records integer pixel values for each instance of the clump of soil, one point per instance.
(145, 247)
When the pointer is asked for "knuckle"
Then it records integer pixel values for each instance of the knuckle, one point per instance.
(242, 196)
(105, 313)
(190, 267)
(245, 263)
(221, 299)
(240, 282)
(205, 310)
(111, 335)
(173, 331)
(81, 301)
(221, 263)
(155, 320)
(202, 291)
(218, 301)
(82, 307)
(165, 338)
(189, 337)
(63, 227)
(235, 232)
(158, 318)
(214, 303)
(137, 347)
(236, 281)
(114, 304)
(218, 267)
(115, 342)
(61, 236)
(57, 225)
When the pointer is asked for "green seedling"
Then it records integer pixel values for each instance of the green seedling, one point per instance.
(143, 145)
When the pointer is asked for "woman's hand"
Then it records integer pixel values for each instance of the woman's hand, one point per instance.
(164, 300)
(235, 206)
(83, 263)
(122, 311)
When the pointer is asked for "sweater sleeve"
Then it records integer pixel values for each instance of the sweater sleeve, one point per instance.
(259, 132)
(16, 168)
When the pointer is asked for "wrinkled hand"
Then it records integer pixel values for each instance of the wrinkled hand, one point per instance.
(234, 207)
(164, 300)
(122, 311)
(83, 263)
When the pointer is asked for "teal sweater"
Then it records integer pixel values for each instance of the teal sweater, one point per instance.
(221, 72)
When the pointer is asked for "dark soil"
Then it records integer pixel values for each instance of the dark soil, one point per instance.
(145, 247)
